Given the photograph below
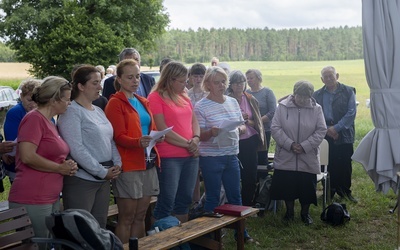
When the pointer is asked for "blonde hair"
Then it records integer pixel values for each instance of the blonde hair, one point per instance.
(52, 88)
(170, 72)
(256, 72)
(210, 75)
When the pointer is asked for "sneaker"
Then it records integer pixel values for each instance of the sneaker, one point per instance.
(248, 239)
(306, 218)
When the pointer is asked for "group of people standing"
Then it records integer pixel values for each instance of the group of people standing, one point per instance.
(87, 147)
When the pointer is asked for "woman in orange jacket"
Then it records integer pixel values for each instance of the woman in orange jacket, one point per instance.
(132, 121)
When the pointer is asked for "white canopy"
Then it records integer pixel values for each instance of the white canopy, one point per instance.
(379, 150)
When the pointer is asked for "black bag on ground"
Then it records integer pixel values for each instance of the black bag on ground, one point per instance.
(80, 227)
(335, 214)
(263, 197)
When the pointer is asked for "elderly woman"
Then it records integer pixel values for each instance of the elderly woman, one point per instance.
(132, 121)
(253, 140)
(298, 128)
(41, 156)
(218, 149)
(89, 135)
(267, 105)
(13, 119)
(171, 107)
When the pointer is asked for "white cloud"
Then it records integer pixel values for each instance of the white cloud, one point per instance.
(275, 14)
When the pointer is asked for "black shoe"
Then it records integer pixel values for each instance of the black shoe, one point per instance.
(351, 198)
(306, 218)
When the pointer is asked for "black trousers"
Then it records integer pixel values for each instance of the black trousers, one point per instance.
(248, 158)
(339, 167)
(263, 155)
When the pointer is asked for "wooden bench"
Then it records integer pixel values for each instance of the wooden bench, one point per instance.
(16, 232)
(113, 211)
(193, 231)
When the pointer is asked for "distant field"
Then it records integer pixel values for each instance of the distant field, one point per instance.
(279, 76)
(14, 70)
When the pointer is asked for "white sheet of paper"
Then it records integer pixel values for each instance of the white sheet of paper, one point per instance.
(14, 151)
(155, 135)
(225, 136)
(228, 125)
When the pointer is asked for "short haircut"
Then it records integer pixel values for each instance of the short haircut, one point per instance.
(211, 72)
(303, 88)
(28, 85)
(197, 69)
(128, 52)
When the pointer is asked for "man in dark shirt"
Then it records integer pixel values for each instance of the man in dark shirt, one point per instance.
(339, 105)
(146, 82)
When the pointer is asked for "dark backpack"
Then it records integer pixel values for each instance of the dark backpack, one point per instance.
(335, 214)
(80, 227)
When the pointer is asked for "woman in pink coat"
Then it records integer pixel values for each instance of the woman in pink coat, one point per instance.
(298, 129)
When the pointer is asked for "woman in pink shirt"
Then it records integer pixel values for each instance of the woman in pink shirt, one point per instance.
(41, 155)
(251, 140)
(171, 107)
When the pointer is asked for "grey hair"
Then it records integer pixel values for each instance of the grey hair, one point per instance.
(303, 88)
(127, 52)
(328, 68)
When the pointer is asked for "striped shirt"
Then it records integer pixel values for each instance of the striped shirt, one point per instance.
(209, 114)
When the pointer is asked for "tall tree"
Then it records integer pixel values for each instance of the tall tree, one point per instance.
(54, 35)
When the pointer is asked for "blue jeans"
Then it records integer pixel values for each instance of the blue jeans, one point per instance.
(177, 178)
(217, 170)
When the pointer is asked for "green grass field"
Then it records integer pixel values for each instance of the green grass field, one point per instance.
(371, 225)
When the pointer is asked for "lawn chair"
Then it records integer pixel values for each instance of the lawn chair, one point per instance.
(324, 175)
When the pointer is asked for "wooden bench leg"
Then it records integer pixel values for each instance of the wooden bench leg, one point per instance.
(240, 226)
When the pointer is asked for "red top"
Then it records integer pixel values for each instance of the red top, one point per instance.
(32, 186)
(128, 131)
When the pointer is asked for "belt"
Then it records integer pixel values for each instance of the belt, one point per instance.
(330, 122)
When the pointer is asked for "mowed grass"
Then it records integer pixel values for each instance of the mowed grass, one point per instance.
(371, 225)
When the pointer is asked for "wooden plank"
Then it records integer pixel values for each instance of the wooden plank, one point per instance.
(189, 231)
(10, 213)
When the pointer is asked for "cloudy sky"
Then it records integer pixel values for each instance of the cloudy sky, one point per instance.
(277, 14)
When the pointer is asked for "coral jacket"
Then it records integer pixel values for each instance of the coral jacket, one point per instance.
(128, 131)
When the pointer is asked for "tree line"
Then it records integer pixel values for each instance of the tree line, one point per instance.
(342, 43)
